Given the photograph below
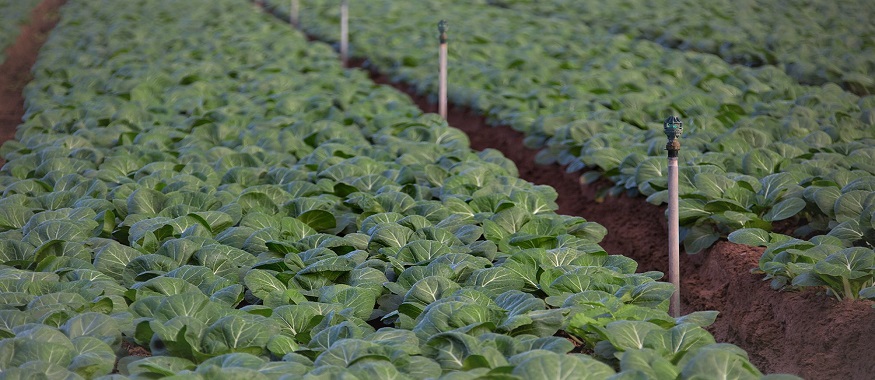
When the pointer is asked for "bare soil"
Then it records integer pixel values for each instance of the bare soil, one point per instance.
(20, 57)
(135, 350)
(802, 333)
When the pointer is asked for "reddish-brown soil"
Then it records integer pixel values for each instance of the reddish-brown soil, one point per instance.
(802, 333)
(132, 350)
(20, 57)
(135, 350)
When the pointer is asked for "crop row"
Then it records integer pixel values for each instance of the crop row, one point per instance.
(815, 42)
(13, 13)
(196, 178)
(757, 146)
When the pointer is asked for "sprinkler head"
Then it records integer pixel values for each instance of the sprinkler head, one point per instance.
(673, 128)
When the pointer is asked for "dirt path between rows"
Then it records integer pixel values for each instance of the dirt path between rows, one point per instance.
(803, 333)
(20, 57)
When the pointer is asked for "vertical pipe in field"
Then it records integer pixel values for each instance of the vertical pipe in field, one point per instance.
(673, 128)
(442, 86)
(674, 307)
(293, 13)
(344, 32)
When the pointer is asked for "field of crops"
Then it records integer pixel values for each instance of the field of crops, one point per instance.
(225, 194)
(816, 42)
(196, 190)
(760, 150)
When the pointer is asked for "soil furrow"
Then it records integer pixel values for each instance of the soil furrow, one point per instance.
(20, 57)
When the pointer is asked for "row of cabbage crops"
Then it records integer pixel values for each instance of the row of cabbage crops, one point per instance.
(13, 13)
(759, 150)
(196, 178)
(815, 42)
